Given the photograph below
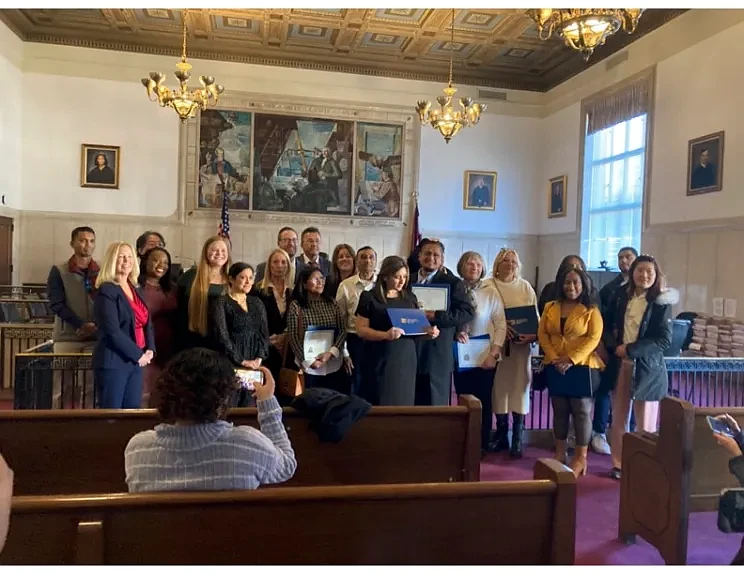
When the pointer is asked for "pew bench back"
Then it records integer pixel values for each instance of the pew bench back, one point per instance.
(71, 452)
(520, 522)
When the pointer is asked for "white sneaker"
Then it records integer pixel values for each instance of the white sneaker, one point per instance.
(600, 444)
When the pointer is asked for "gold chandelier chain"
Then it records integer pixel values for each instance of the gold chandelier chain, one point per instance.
(183, 54)
(452, 47)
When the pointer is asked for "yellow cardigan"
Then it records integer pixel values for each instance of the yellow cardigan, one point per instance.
(579, 339)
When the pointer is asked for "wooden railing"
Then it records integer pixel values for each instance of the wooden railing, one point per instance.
(16, 338)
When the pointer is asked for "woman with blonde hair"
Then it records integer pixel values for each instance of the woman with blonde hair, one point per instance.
(511, 387)
(488, 320)
(275, 292)
(126, 342)
(198, 290)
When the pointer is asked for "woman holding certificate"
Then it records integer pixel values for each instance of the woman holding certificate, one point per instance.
(511, 386)
(569, 333)
(390, 356)
(317, 333)
(479, 344)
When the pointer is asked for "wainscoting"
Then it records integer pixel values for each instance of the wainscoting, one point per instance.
(701, 262)
(43, 239)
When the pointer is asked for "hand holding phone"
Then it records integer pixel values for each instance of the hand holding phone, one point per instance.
(722, 426)
(249, 379)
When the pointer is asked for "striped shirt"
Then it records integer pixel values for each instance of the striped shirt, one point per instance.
(211, 456)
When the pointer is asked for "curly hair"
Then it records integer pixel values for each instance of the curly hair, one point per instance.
(196, 386)
(588, 297)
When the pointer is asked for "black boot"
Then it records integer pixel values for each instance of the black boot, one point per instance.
(500, 440)
(517, 430)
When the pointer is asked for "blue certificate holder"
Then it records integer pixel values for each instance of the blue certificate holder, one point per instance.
(432, 296)
(411, 321)
(522, 319)
(471, 355)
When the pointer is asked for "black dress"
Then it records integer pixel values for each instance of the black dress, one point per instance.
(388, 367)
(240, 335)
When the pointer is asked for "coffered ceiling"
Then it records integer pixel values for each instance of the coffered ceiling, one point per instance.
(492, 48)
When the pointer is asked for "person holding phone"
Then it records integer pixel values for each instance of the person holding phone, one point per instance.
(728, 434)
(195, 448)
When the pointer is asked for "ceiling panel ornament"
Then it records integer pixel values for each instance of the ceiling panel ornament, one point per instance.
(492, 48)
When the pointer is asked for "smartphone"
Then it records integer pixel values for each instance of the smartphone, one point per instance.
(720, 427)
(249, 379)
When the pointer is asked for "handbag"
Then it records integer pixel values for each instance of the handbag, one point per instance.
(540, 379)
(579, 382)
(291, 382)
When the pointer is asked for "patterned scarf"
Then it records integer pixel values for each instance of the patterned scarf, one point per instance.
(89, 275)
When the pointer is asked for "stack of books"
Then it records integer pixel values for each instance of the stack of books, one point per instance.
(716, 337)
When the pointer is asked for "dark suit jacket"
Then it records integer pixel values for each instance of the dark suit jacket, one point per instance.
(323, 261)
(115, 320)
(435, 356)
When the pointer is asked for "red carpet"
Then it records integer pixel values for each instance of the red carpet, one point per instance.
(597, 513)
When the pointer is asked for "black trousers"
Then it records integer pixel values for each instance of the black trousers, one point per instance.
(355, 345)
(479, 383)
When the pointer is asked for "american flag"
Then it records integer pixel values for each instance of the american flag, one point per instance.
(224, 230)
(415, 231)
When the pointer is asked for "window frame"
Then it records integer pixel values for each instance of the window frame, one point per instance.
(649, 76)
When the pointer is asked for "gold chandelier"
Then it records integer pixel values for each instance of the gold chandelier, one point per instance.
(584, 29)
(182, 99)
(447, 120)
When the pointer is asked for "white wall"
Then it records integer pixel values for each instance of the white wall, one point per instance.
(504, 144)
(559, 141)
(100, 112)
(11, 174)
(698, 92)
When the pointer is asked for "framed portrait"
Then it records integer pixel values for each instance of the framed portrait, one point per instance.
(303, 165)
(557, 196)
(479, 190)
(705, 164)
(378, 170)
(99, 166)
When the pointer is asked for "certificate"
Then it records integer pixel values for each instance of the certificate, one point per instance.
(432, 297)
(473, 353)
(317, 342)
(411, 321)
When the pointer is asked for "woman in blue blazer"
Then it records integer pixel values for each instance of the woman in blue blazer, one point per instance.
(126, 342)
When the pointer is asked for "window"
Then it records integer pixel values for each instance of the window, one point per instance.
(612, 208)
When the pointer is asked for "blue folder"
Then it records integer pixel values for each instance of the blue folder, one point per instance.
(411, 321)
(522, 319)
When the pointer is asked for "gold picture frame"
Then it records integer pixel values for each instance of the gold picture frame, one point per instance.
(705, 164)
(479, 190)
(557, 196)
(105, 176)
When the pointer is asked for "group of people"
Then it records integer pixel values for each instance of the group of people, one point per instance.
(614, 341)
(134, 315)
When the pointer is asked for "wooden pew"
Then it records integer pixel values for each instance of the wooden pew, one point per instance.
(69, 452)
(519, 522)
(670, 474)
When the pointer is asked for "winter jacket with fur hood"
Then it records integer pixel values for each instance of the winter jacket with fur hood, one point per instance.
(654, 337)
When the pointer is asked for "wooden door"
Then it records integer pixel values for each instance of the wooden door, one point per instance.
(6, 251)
